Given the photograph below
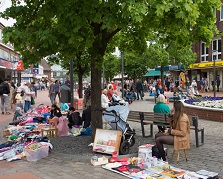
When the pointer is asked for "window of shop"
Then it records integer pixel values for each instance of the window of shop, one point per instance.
(204, 52)
(216, 46)
(1, 53)
(5, 55)
(221, 13)
(58, 74)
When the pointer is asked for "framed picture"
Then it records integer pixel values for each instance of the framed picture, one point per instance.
(107, 141)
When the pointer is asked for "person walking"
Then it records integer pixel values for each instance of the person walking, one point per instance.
(139, 89)
(194, 87)
(5, 92)
(206, 85)
(218, 82)
(202, 85)
(52, 92)
(57, 90)
(34, 88)
(187, 84)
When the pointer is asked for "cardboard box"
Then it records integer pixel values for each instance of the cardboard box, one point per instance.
(78, 103)
(100, 161)
(107, 141)
(6, 132)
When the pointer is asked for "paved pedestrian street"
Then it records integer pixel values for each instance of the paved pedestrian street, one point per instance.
(59, 166)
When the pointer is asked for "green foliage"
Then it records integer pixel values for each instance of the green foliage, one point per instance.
(171, 54)
(135, 65)
(112, 66)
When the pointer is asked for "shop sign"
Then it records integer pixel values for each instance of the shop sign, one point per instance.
(6, 64)
(19, 66)
(36, 71)
(206, 64)
(170, 68)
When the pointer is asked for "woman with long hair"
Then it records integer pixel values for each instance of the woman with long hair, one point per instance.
(179, 132)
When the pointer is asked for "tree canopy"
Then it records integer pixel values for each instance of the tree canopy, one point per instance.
(47, 27)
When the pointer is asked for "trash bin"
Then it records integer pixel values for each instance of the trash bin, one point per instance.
(65, 94)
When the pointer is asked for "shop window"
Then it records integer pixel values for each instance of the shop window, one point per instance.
(221, 13)
(204, 52)
(58, 74)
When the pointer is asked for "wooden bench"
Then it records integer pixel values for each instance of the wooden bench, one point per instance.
(150, 118)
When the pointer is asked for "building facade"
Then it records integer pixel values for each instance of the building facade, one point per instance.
(10, 62)
(209, 58)
(58, 73)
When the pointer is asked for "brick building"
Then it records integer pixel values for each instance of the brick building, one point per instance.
(204, 65)
(10, 62)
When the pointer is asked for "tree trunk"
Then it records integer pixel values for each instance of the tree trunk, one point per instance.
(96, 116)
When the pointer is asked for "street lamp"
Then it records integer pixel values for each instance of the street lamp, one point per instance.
(215, 57)
(122, 57)
(72, 81)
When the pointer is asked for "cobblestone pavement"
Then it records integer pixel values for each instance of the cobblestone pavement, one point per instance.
(59, 166)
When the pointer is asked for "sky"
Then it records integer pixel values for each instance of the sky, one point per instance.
(4, 4)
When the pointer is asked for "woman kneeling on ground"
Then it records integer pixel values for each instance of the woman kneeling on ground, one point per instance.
(179, 133)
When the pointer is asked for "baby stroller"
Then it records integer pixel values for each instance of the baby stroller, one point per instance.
(117, 116)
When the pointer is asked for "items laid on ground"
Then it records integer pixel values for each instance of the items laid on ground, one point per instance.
(147, 166)
(24, 136)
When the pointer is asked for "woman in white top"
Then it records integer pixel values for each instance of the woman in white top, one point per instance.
(104, 99)
(194, 86)
(27, 96)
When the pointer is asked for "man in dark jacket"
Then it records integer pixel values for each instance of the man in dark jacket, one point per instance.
(5, 96)
(139, 89)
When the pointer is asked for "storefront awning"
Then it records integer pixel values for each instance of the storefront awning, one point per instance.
(154, 73)
(206, 64)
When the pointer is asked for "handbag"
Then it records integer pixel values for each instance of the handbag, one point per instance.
(155, 152)
(32, 101)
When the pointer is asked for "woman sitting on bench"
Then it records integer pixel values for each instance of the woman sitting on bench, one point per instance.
(161, 107)
(179, 133)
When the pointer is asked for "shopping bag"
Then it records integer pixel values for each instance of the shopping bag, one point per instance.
(32, 101)
(86, 131)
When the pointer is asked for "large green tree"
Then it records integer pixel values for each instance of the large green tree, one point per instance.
(47, 27)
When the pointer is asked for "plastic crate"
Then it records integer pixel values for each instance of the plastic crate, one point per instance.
(35, 155)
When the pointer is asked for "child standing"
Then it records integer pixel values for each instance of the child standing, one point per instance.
(18, 97)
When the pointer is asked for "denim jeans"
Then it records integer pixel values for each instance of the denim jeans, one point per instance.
(27, 106)
(4, 103)
(52, 98)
